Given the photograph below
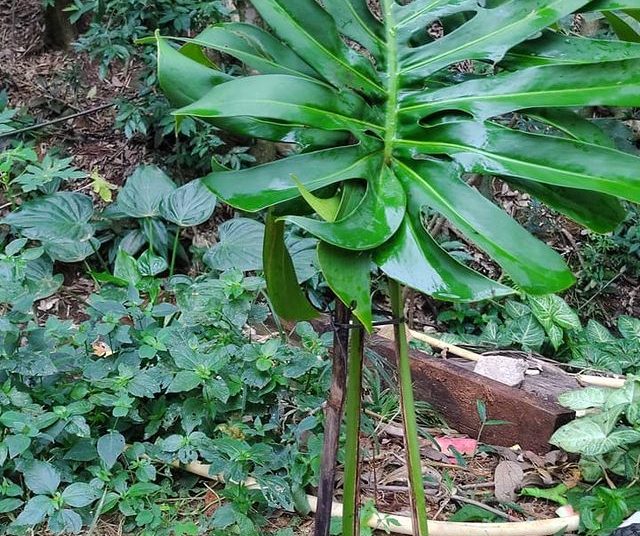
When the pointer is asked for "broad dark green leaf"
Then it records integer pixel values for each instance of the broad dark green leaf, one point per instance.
(353, 19)
(599, 212)
(553, 48)
(487, 36)
(254, 47)
(311, 32)
(609, 5)
(286, 296)
(63, 215)
(239, 246)
(305, 102)
(348, 274)
(439, 275)
(189, 205)
(41, 478)
(110, 447)
(372, 223)
(437, 185)
(174, 67)
(263, 186)
(610, 84)
(79, 495)
(184, 381)
(35, 511)
(143, 192)
(572, 124)
(622, 28)
(150, 264)
(493, 149)
(416, 16)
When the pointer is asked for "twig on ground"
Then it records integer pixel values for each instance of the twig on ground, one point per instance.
(57, 120)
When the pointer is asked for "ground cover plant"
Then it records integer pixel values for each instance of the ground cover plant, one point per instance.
(175, 378)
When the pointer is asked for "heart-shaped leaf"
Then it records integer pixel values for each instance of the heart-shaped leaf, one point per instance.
(189, 205)
(144, 191)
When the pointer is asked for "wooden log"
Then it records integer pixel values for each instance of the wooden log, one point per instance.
(454, 391)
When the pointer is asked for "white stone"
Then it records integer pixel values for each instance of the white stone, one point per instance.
(505, 370)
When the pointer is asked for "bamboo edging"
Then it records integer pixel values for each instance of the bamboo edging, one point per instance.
(596, 381)
(399, 524)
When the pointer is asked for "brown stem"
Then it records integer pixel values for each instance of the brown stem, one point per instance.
(333, 418)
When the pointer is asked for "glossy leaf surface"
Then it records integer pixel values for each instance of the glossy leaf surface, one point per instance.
(285, 294)
(400, 130)
(349, 275)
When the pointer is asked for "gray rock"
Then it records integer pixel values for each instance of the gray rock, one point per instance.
(505, 370)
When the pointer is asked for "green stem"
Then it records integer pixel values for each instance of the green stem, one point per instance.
(96, 250)
(350, 518)
(407, 405)
(174, 251)
(150, 237)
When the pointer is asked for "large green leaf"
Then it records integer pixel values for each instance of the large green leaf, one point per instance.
(487, 36)
(600, 213)
(61, 221)
(63, 215)
(372, 223)
(285, 294)
(254, 47)
(144, 191)
(312, 33)
(348, 274)
(263, 186)
(558, 161)
(437, 185)
(440, 275)
(354, 20)
(553, 48)
(239, 246)
(175, 66)
(609, 5)
(407, 127)
(611, 84)
(189, 205)
(305, 102)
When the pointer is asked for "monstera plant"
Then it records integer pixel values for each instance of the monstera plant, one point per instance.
(392, 104)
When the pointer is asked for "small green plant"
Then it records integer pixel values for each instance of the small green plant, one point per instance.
(548, 324)
(603, 510)
(608, 438)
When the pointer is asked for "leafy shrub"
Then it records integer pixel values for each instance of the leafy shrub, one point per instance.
(548, 324)
(175, 378)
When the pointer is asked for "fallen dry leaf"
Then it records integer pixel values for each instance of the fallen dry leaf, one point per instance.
(101, 349)
(508, 478)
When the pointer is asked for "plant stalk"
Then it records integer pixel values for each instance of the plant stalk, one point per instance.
(353, 407)
(409, 422)
(333, 418)
(174, 251)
